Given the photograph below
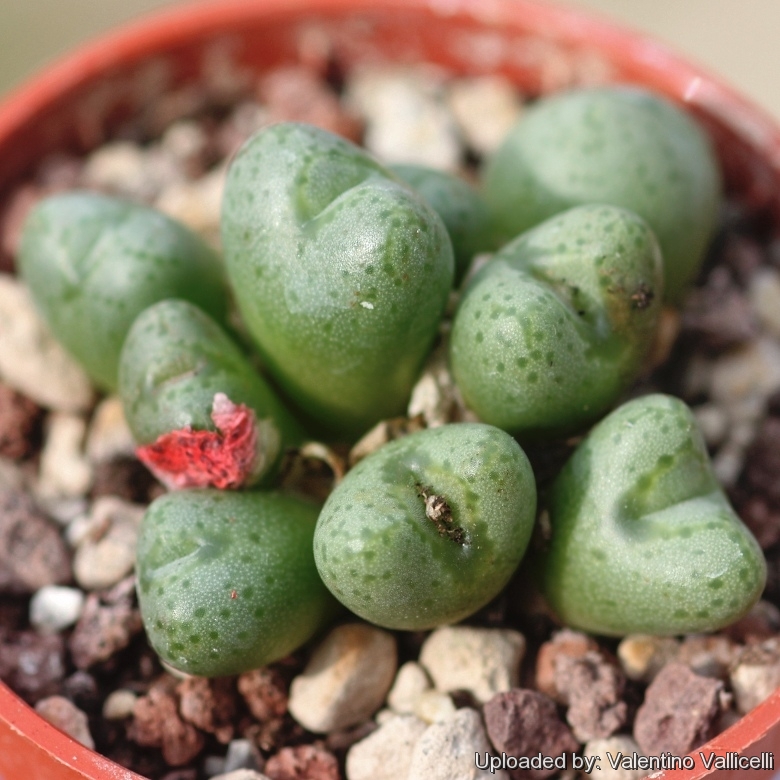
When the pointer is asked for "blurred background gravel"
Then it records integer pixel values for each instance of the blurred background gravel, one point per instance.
(732, 38)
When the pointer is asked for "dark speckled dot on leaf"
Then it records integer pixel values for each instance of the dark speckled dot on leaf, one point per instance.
(643, 538)
(226, 580)
(618, 145)
(429, 528)
(94, 262)
(552, 330)
(340, 271)
(203, 415)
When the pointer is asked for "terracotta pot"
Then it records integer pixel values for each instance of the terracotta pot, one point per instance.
(75, 104)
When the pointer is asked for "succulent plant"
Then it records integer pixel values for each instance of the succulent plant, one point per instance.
(202, 415)
(643, 539)
(226, 579)
(460, 206)
(620, 145)
(341, 273)
(94, 262)
(553, 330)
(429, 528)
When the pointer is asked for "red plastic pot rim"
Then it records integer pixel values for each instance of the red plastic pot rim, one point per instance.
(34, 121)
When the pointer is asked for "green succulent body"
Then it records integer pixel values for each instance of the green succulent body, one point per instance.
(555, 327)
(460, 206)
(226, 580)
(94, 262)
(175, 361)
(429, 528)
(643, 538)
(341, 273)
(617, 145)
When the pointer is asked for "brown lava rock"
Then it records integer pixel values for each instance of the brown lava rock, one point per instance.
(32, 552)
(210, 705)
(679, 713)
(32, 664)
(522, 722)
(757, 495)
(594, 689)
(296, 94)
(565, 642)
(156, 723)
(265, 693)
(717, 315)
(303, 762)
(107, 624)
(20, 423)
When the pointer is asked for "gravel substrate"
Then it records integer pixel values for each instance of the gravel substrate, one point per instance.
(361, 703)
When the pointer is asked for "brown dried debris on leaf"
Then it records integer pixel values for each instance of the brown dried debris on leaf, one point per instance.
(679, 712)
(438, 511)
(32, 551)
(156, 723)
(382, 433)
(522, 722)
(107, 624)
(314, 470)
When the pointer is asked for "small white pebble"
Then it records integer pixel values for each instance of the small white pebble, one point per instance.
(31, 360)
(642, 657)
(64, 471)
(406, 119)
(55, 607)
(751, 371)
(483, 661)
(756, 674)
(447, 750)
(713, 421)
(346, 680)
(109, 436)
(485, 109)
(385, 754)
(764, 297)
(433, 707)
(410, 682)
(619, 744)
(119, 704)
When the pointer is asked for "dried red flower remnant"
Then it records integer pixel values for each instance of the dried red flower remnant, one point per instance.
(225, 458)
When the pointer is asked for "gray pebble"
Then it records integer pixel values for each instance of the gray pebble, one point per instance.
(447, 750)
(386, 753)
(346, 679)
